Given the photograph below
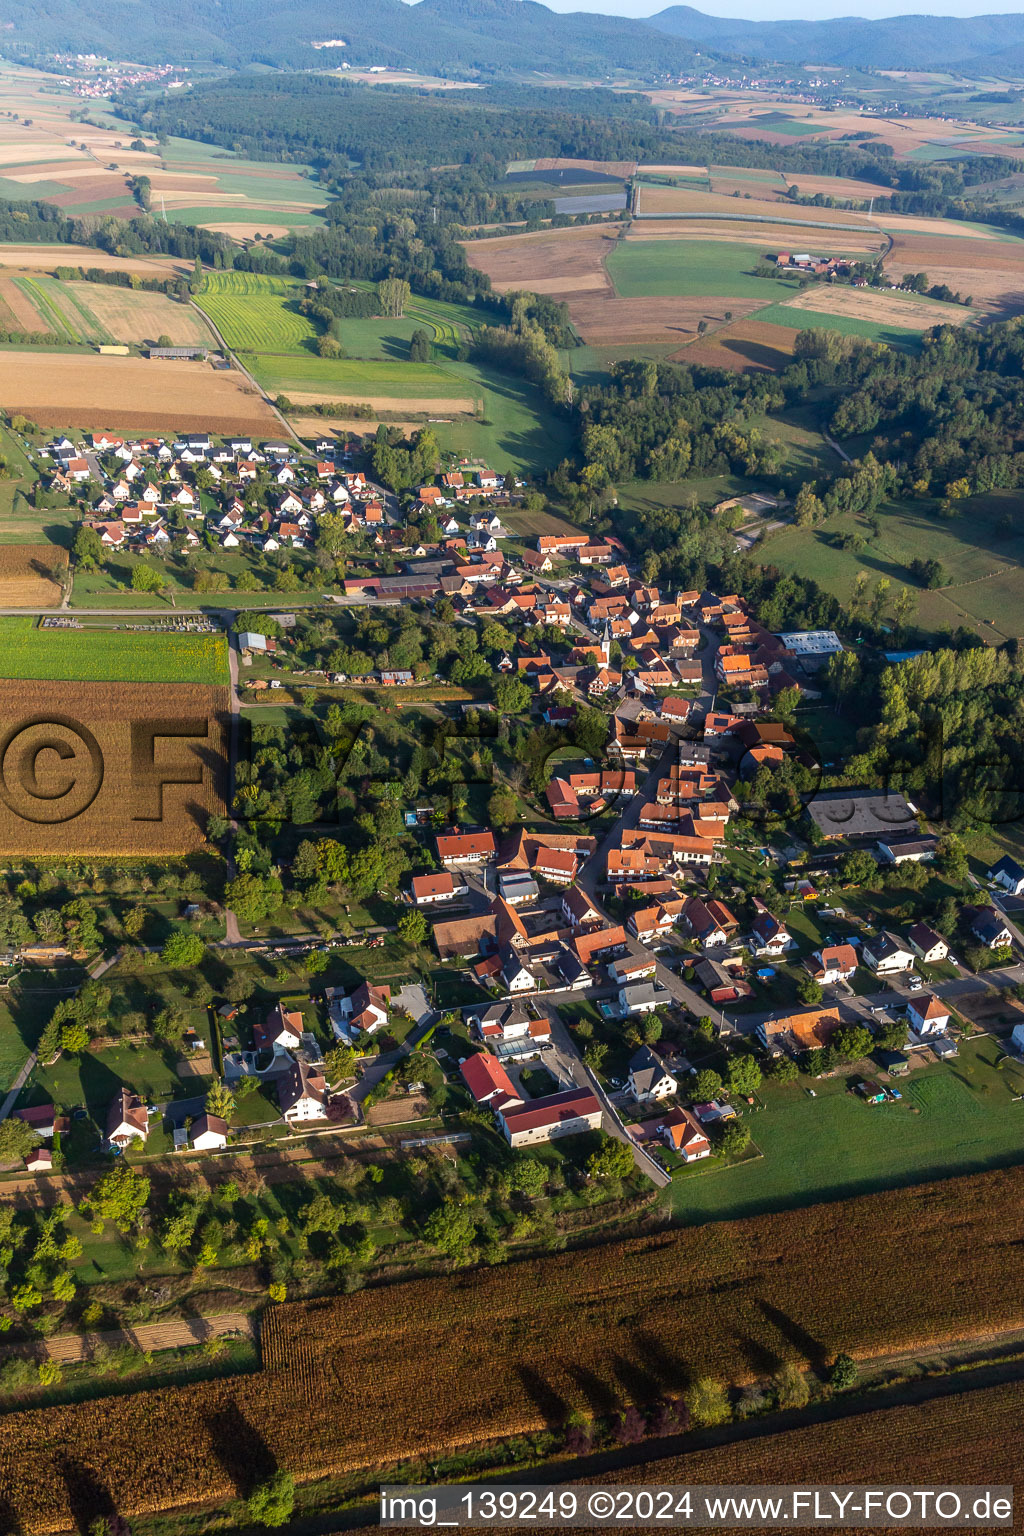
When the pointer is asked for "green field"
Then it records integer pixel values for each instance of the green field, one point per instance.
(242, 213)
(257, 314)
(982, 558)
(955, 1118)
(354, 378)
(108, 655)
(698, 268)
(846, 325)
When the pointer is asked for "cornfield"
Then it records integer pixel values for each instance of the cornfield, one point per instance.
(354, 1382)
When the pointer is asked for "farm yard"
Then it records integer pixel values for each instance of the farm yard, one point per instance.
(130, 393)
(838, 1278)
(31, 575)
(112, 807)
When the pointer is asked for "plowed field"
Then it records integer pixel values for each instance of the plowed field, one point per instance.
(26, 579)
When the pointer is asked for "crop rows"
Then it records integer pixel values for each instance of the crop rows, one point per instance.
(357, 1381)
(251, 312)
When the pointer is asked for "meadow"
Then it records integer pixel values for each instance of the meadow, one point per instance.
(306, 380)
(693, 267)
(255, 313)
(57, 655)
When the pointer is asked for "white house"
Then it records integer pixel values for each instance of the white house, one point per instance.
(926, 1015)
(649, 1078)
(834, 963)
(209, 1133)
(302, 1093)
(769, 937)
(127, 1119)
(363, 1011)
(280, 1030)
(886, 955)
(928, 945)
(1009, 874)
(637, 998)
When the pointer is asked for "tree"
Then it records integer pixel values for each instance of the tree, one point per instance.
(64, 1287)
(735, 1139)
(451, 1229)
(528, 1176)
(74, 1038)
(707, 1085)
(392, 297)
(612, 1160)
(273, 1501)
(792, 1389)
(16, 1139)
(88, 549)
(502, 808)
(120, 1196)
(339, 1063)
(744, 1075)
(512, 696)
(220, 1101)
(253, 897)
(420, 348)
(852, 1041)
(146, 579)
(707, 1401)
(183, 950)
(809, 991)
(857, 867)
(842, 1373)
(412, 927)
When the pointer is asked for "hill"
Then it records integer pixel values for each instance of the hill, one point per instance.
(895, 42)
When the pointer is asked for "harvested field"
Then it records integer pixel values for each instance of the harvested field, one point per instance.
(74, 390)
(348, 426)
(47, 258)
(553, 256)
(992, 274)
(142, 317)
(240, 230)
(653, 200)
(105, 803)
(749, 345)
(673, 170)
(25, 315)
(26, 575)
(629, 1322)
(834, 186)
(412, 1106)
(898, 223)
(882, 308)
(434, 405)
(770, 237)
(604, 321)
(622, 168)
(532, 524)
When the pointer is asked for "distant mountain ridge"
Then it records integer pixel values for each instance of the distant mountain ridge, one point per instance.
(491, 39)
(894, 42)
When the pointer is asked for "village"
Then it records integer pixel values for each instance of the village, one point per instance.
(645, 951)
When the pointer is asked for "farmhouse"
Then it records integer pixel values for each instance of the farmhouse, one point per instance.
(427, 889)
(465, 848)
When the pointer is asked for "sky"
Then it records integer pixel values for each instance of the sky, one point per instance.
(787, 10)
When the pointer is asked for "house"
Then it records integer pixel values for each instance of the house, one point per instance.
(578, 910)
(42, 1118)
(914, 849)
(77, 470)
(1009, 874)
(302, 1093)
(637, 997)
(127, 1119)
(516, 976)
(465, 848)
(805, 1030)
(279, 1031)
(1017, 1039)
(209, 1133)
(833, 963)
(363, 1011)
(631, 969)
(649, 1078)
(886, 955)
(39, 1160)
(721, 986)
(559, 1114)
(928, 945)
(427, 889)
(488, 1082)
(989, 929)
(769, 937)
(926, 1015)
(507, 1021)
(682, 1131)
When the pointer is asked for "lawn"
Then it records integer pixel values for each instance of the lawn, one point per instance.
(107, 655)
(955, 1118)
(712, 268)
(517, 429)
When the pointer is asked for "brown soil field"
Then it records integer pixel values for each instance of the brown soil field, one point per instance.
(518, 261)
(625, 1322)
(94, 190)
(70, 390)
(411, 1106)
(243, 231)
(130, 316)
(834, 186)
(837, 242)
(46, 258)
(682, 200)
(26, 316)
(993, 274)
(621, 168)
(25, 579)
(563, 286)
(882, 308)
(897, 224)
(747, 346)
(607, 321)
(440, 405)
(104, 805)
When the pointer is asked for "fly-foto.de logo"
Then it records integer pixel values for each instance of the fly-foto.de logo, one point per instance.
(116, 769)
